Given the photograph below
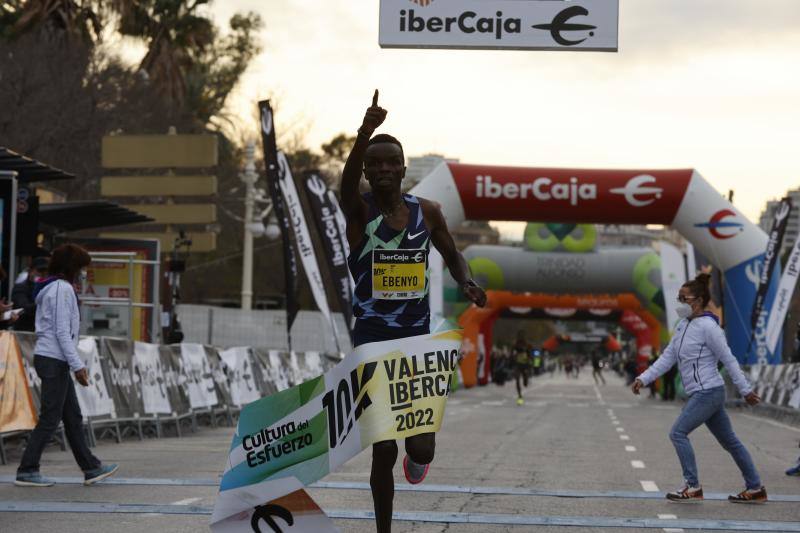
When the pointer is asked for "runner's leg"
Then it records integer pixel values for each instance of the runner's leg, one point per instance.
(420, 448)
(381, 481)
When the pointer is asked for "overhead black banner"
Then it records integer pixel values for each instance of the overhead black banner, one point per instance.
(771, 257)
(334, 241)
(289, 258)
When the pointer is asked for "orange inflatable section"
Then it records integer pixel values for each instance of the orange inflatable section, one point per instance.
(472, 319)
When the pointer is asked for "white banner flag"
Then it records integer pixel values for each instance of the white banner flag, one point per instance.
(303, 239)
(673, 276)
(783, 298)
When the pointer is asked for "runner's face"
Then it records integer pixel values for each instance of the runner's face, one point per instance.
(384, 166)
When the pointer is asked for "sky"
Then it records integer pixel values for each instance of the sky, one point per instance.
(708, 84)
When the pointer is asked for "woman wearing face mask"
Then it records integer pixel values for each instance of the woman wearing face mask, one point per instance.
(56, 355)
(698, 346)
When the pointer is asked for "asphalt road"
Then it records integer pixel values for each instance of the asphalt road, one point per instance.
(575, 457)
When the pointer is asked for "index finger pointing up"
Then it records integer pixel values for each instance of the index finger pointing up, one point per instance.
(375, 99)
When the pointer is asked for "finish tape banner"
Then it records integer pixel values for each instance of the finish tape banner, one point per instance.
(382, 391)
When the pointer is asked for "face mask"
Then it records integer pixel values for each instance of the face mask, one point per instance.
(83, 276)
(684, 310)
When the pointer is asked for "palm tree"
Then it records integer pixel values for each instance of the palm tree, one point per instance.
(174, 34)
(75, 19)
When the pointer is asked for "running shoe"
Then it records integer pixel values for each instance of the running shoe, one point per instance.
(520, 401)
(33, 479)
(749, 496)
(98, 474)
(794, 471)
(415, 473)
(686, 494)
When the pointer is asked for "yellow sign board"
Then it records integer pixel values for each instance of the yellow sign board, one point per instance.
(201, 242)
(159, 151)
(177, 213)
(158, 185)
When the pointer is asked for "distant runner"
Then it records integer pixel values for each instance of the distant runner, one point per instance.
(521, 364)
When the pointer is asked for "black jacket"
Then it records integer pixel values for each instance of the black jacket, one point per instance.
(22, 296)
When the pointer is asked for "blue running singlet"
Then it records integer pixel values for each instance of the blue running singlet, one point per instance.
(390, 270)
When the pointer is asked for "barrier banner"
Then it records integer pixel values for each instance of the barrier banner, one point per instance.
(125, 388)
(382, 391)
(94, 399)
(16, 404)
(196, 376)
(148, 368)
(274, 370)
(243, 387)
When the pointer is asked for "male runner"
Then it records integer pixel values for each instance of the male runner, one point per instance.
(390, 235)
(521, 363)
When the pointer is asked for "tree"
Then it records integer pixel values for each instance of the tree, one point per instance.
(187, 61)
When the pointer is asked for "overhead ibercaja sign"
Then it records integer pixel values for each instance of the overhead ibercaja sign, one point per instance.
(580, 25)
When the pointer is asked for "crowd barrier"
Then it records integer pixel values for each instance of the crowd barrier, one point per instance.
(778, 385)
(145, 390)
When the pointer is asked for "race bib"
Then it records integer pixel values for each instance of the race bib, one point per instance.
(398, 274)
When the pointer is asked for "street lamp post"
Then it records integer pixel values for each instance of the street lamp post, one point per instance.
(249, 177)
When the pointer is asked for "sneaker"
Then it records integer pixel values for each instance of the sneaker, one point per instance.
(520, 401)
(749, 496)
(415, 473)
(686, 494)
(794, 471)
(32, 479)
(99, 474)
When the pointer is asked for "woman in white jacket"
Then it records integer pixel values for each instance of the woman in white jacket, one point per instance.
(698, 346)
(55, 356)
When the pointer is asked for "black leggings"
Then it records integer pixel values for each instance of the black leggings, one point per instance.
(522, 372)
(420, 449)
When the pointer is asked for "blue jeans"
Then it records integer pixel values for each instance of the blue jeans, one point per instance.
(708, 407)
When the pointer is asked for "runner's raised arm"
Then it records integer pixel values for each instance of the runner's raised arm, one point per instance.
(352, 204)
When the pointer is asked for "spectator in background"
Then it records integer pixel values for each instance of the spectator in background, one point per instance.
(5, 306)
(22, 295)
(669, 384)
(55, 355)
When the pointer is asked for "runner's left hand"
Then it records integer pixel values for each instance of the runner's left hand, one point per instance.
(475, 294)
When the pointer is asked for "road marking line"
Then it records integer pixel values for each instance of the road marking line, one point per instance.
(186, 501)
(621, 430)
(624, 437)
(630, 448)
(431, 517)
(615, 422)
(649, 486)
(771, 422)
(670, 529)
(493, 402)
(637, 464)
